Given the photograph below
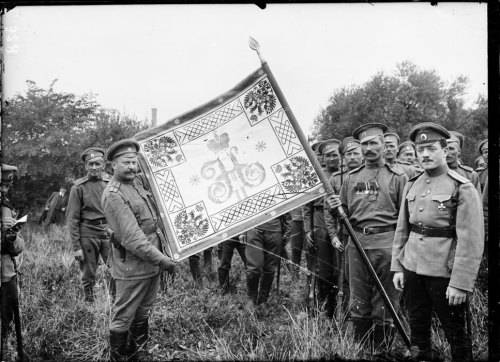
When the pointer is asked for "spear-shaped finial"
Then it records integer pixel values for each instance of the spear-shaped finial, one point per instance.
(254, 45)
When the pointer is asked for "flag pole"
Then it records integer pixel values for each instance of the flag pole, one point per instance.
(254, 45)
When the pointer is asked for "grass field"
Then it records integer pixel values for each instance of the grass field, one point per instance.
(189, 322)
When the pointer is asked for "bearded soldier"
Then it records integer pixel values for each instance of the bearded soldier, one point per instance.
(326, 253)
(371, 196)
(136, 256)
(87, 226)
(455, 144)
(437, 246)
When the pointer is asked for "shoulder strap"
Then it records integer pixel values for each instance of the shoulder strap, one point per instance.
(454, 204)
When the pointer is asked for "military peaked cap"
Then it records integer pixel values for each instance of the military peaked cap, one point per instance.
(8, 173)
(91, 153)
(328, 146)
(121, 147)
(315, 145)
(456, 137)
(391, 136)
(406, 146)
(369, 131)
(349, 143)
(482, 145)
(428, 132)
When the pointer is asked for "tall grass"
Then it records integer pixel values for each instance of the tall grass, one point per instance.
(189, 322)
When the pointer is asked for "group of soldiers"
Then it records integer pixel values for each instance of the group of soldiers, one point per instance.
(414, 207)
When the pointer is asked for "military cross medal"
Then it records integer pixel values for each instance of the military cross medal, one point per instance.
(441, 207)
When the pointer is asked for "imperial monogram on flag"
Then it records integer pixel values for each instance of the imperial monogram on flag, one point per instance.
(227, 166)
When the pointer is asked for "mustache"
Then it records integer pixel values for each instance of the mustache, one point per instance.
(369, 153)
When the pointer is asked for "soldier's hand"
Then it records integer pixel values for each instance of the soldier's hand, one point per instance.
(333, 201)
(7, 222)
(399, 281)
(109, 232)
(243, 238)
(79, 255)
(337, 244)
(167, 264)
(309, 239)
(455, 296)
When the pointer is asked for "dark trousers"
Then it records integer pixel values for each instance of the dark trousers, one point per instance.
(260, 241)
(298, 243)
(228, 247)
(426, 294)
(327, 269)
(9, 301)
(92, 248)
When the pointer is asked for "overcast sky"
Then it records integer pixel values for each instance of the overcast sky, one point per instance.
(176, 57)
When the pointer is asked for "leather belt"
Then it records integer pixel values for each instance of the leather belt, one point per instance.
(100, 221)
(374, 230)
(444, 232)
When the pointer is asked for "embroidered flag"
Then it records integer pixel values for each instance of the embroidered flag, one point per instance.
(227, 166)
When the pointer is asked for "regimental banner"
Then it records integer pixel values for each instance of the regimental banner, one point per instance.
(227, 166)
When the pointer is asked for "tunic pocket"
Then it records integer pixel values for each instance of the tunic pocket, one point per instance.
(441, 203)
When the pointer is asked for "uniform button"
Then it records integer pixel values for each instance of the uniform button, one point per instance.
(421, 209)
(421, 238)
(428, 181)
(419, 224)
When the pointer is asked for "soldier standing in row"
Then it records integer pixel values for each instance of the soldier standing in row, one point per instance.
(353, 158)
(320, 238)
(12, 245)
(87, 226)
(136, 256)
(371, 196)
(455, 144)
(483, 171)
(390, 155)
(227, 251)
(438, 246)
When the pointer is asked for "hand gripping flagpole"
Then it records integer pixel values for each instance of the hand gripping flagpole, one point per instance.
(254, 45)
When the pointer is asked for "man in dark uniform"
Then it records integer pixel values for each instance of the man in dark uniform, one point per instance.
(87, 226)
(371, 196)
(438, 246)
(227, 252)
(136, 256)
(56, 207)
(353, 158)
(320, 238)
(264, 244)
(12, 245)
(455, 144)
(482, 172)
(390, 155)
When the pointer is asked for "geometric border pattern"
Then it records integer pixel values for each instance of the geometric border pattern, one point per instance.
(285, 132)
(169, 191)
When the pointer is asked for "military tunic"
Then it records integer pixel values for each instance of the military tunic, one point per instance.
(408, 169)
(373, 216)
(131, 215)
(87, 225)
(469, 174)
(482, 173)
(432, 262)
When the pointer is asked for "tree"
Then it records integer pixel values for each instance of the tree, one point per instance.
(44, 133)
(400, 100)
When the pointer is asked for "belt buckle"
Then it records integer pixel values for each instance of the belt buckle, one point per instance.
(422, 230)
(366, 231)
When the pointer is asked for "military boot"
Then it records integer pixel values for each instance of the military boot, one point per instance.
(139, 332)
(362, 329)
(89, 294)
(252, 291)
(118, 346)
(209, 265)
(266, 283)
(223, 280)
(194, 266)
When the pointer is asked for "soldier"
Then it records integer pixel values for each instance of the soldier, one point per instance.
(390, 153)
(406, 152)
(263, 250)
(482, 172)
(320, 238)
(12, 245)
(56, 207)
(353, 158)
(87, 226)
(298, 241)
(437, 246)
(136, 256)
(455, 144)
(228, 247)
(371, 196)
